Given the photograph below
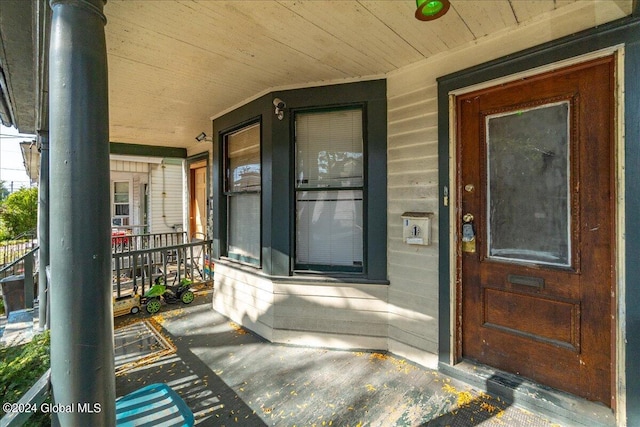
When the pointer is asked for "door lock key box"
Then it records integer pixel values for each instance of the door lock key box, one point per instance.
(468, 234)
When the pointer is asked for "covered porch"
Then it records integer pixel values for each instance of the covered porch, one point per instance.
(226, 86)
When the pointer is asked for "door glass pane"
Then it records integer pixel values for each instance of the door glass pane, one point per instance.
(528, 189)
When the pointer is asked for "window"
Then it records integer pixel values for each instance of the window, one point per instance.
(242, 190)
(121, 197)
(329, 187)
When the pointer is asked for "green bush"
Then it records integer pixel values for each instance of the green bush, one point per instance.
(20, 368)
(19, 212)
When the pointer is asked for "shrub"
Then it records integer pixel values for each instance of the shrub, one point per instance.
(20, 368)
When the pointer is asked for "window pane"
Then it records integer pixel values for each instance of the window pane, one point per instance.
(121, 187)
(244, 227)
(122, 210)
(329, 149)
(529, 191)
(243, 155)
(329, 228)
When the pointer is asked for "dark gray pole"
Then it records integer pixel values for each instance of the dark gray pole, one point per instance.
(43, 228)
(82, 363)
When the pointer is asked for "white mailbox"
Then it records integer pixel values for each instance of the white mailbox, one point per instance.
(416, 228)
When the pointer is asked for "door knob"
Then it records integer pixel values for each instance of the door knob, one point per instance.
(467, 217)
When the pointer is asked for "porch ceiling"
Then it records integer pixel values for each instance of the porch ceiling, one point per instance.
(175, 64)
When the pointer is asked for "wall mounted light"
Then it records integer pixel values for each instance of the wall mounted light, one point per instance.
(428, 10)
(279, 108)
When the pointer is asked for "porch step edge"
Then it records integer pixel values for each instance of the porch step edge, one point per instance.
(558, 406)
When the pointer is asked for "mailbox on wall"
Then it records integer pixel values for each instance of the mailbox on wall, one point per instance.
(416, 228)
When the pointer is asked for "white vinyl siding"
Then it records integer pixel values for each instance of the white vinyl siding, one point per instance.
(166, 197)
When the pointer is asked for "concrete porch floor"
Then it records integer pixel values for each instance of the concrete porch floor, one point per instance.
(231, 377)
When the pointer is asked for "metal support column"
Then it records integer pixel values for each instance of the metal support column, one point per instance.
(82, 362)
(43, 230)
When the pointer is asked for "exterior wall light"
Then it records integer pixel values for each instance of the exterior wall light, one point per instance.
(202, 137)
(428, 10)
(279, 105)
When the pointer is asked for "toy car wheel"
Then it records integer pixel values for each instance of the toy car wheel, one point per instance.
(153, 306)
(135, 309)
(187, 297)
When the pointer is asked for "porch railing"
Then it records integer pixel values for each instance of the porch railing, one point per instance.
(11, 251)
(135, 271)
(25, 267)
(122, 241)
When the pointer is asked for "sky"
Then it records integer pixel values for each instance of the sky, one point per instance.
(12, 170)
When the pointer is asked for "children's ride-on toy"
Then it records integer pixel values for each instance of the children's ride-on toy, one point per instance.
(170, 294)
(125, 305)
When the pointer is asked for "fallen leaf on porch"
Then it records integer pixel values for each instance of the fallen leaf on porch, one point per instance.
(238, 329)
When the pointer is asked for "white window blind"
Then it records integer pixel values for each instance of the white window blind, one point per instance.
(329, 149)
(243, 184)
(329, 194)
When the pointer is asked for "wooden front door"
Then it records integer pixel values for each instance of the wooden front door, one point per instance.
(198, 203)
(536, 230)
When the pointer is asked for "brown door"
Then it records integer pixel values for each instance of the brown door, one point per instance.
(198, 212)
(535, 220)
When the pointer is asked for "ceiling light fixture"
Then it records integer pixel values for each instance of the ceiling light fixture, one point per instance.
(428, 10)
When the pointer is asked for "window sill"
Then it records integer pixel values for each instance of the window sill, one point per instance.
(301, 276)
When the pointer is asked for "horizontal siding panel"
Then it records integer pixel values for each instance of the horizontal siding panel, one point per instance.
(423, 164)
(396, 207)
(429, 344)
(416, 274)
(366, 328)
(166, 189)
(425, 121)
(421, 300)
(332, 290)
(427, 356)
(330, 340)
(418, 136)
(426, 256)
(410, 151)
(413, 332)
(307, 302)
(413, 178)
(411, 96)
(403, 193)
(334, 314)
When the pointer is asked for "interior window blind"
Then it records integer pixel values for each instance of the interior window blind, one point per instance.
(329, 195)
(243, 185)
(329, 149)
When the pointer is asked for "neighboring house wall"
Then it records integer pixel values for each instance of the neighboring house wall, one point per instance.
(166, 197)
(136, 173)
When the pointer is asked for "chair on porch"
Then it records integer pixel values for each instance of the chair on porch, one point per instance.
(155, 404)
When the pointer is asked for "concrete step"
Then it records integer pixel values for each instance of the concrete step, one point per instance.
(19, 327)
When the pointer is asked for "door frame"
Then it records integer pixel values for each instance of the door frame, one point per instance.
(190, 164)
(454, 336)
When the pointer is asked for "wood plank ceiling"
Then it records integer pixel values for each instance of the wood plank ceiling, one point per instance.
(174, 64)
